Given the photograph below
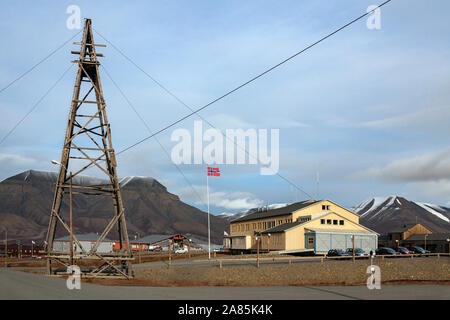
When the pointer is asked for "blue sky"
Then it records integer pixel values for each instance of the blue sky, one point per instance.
(368, 109)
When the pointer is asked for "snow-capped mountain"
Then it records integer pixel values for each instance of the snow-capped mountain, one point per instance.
(236, 215)
(383, 214)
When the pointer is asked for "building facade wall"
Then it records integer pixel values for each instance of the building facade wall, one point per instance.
(417, 229)
(259, 225)
(317, 209)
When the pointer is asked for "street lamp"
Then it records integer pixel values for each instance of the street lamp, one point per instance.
(139, 245)
(189, 248)
(448, 240)
(268, 242)
(6, 246)
(70, 209)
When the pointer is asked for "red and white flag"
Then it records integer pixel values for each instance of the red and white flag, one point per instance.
(213, 172)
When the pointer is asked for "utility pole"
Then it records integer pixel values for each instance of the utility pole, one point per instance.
(88, 143)
(209, 226)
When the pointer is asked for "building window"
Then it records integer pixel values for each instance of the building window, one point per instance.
(335, 222)
(341, 222)
(328, 221)
(325, 207)
(322, 221)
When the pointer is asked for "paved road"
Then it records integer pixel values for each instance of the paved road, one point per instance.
(21, 285)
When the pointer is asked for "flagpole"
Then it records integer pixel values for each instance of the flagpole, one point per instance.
(209, 232)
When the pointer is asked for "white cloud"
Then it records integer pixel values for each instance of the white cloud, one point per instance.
(15, 160)
(433, 120)
(427, 167)
(228, 200)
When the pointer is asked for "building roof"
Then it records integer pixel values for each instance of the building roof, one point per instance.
(282, 227)
(403, 228)
(431, 236)
(287, 226)
(154, 237)
(83, 237)
(276, 212)
(151, 238)
(352, 231)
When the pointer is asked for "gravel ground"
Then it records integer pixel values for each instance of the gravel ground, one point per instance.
(315, 273)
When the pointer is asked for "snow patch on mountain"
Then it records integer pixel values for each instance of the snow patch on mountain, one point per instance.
(236, 215)
(376, 203)
(379, 204)
(429, 208)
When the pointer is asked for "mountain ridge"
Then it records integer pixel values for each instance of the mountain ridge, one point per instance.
(383, 214)
(26, 199)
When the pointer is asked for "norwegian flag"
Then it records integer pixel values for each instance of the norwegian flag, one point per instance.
(213, 172)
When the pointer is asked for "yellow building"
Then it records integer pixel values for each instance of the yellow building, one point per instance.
(317, 225)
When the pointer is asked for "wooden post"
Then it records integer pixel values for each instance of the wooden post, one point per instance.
(70, 213)
(170, 252)
(258, 239)
(220, 264)
(321, 260)
(353, 238)
(290, 261)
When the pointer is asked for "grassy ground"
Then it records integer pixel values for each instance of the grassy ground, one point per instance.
(315, 273)
(337, 272)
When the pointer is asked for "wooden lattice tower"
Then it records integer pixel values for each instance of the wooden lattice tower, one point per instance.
(88, 140)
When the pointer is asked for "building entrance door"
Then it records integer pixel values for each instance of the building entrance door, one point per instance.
(310, 244)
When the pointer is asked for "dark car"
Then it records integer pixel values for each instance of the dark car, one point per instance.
(358, 252)
(416, 249)
(403, 250)
(386, 251)
(337, 253)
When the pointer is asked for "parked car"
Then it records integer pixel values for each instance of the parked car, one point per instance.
(337, 253)
(417, 249)
(358, 252)
(181, 250)
(158, 248)
(403, 250)
(221, 250)
(386, 251)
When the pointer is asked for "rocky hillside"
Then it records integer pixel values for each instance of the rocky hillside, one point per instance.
(26, 200)
(383, 214)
